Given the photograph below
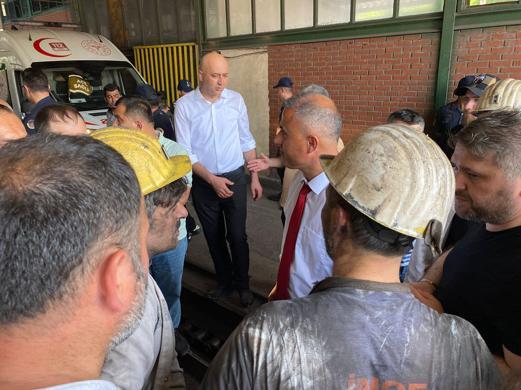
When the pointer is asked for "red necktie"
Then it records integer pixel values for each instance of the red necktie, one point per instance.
(288, 251)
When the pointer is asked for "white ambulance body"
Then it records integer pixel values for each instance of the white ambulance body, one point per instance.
(61, 54)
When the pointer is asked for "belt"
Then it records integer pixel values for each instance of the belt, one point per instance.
(231, 173)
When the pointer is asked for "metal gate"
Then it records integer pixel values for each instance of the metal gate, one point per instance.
(162, 66)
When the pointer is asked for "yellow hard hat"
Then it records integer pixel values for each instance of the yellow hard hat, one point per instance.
(145, 155)
(503, 95)
(398, 177)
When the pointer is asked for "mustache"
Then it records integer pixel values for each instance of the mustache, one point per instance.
(462, 194)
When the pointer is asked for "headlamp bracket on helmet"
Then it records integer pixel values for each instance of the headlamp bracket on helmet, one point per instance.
(433, 235)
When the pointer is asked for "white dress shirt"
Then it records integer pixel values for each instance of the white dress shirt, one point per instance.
(311, 263)
(214, 134)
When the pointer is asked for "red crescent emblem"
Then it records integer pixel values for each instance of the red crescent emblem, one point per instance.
(39, 49)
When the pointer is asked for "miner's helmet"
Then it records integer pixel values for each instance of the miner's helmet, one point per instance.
(503, 95)
(153, 168)
(397, 177)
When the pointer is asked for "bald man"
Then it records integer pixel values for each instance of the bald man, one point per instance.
(211, 122)
(311, 127)
(11, 127)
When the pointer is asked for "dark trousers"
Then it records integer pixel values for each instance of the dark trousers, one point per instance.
(224, 223)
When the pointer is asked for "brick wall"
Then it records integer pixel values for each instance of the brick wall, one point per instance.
(367, 78)
(371, 77)
(487, 50)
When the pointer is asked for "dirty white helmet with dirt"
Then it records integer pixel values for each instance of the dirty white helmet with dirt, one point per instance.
(398, 177)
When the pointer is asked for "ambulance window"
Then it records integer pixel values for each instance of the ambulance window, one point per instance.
(81, 83)
(129, 82)
(25, 105)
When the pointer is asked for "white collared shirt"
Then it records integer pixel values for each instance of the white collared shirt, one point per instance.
(311, 264)
(214, 134)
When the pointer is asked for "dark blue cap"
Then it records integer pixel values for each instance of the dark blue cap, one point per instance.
(464, 84)
(284, 82)
(185, 86)
(147, 92)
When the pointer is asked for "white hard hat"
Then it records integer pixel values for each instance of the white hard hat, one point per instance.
(503, 95)
(398, 177)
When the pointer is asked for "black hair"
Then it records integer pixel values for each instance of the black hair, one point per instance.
(166, 196)
(372, 236)
(63, 199)
(110, 88)
(408, 116)
(136, 106)
(35, 80)
(58, 111)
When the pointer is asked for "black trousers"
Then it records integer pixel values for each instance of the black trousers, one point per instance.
(224, 224)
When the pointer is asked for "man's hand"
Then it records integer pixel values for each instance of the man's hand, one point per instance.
(255, 186)
(509, 364)
(220, 186)
(424, 286)
(426, 298)
(259, 164)
(271, 295)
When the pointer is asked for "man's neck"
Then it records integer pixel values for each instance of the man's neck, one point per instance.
(364, 265)
(150, 130)
(314, 168)
(35, 360)
(514, 222)
(37, 96)
(211, 99)
(312, 171)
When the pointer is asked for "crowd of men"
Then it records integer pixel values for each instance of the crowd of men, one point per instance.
(399, 269)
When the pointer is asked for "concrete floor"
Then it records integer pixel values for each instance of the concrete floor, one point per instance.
(264, 229)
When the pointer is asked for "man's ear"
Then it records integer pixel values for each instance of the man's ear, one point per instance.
(117, 279)
(312, 143)
(139, 124)
(342, 219)
(200, 74)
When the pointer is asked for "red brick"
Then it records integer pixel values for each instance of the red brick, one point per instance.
(369, 78)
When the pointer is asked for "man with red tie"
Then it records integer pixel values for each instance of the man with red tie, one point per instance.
(311, 127)
(362, 328)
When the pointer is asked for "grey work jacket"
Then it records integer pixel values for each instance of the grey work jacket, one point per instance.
(147, 358)
(353, 334)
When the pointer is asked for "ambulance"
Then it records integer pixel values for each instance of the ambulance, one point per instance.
(77, 65)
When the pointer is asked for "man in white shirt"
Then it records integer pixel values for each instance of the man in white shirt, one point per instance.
(311, 127)
(211, 122)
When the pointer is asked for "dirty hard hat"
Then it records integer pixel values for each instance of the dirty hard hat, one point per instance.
(153, 168)
(398, 177)
(481, 83)
(503, 95)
